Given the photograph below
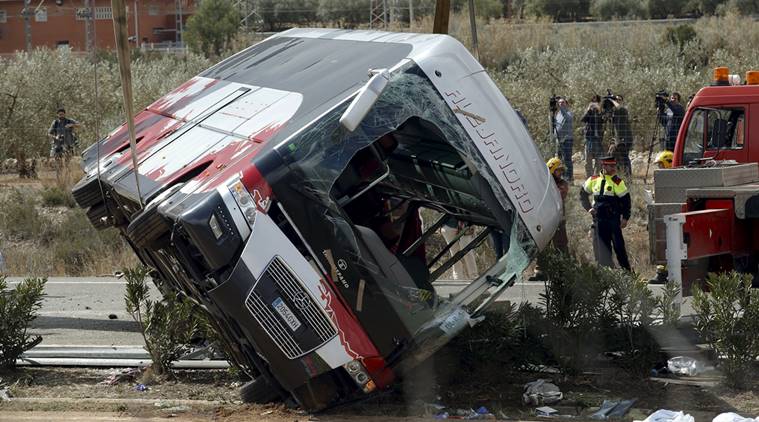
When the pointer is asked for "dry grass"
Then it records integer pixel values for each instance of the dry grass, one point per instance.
(41, 234)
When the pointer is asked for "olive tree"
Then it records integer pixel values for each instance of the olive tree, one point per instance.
(213, 26)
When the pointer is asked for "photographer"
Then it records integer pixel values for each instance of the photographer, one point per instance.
(62, 134)
(563, 128)
(670, 114)
(622, 131)
(594, 128)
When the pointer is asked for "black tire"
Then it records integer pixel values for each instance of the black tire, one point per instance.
(99, 216)
(87, 192)
(259, 391)
(147, 228)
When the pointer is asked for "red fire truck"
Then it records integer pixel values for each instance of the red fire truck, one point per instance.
(706, 215)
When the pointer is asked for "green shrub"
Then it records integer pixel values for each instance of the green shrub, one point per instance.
(509, 336)
(728, 319)
(632, 303)
(167, 326)
(591, 309)
(56, 197)
(680, 35)
(609, 9)
(18, 308)
(667, 306)
(576, 307)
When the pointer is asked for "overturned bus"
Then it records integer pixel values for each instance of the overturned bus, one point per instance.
(281, 190)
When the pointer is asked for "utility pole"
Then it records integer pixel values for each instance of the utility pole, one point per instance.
(136, 26)
(377, 14)
(473, 26)
(27, 13)
(89, 27)
(178, 27)
(410, 13)
(442, 15)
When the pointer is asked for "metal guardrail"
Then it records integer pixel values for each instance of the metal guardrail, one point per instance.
(113, 357)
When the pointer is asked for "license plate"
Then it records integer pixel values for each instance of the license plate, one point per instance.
(284, 311)
(454, 321)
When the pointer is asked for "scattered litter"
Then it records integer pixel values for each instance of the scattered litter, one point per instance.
(541, 392)
(431, 408)
(118, 274)
(683, 365)
(87, 307)
(546, 411)
(613, 409)
(176, 409)
(481, 413)
(698, 383)
(733, 417)
(112, 316)
(141, 387)
(541, 368)
(5, 394)
(125, 375)
(663, 415)
(268, 412)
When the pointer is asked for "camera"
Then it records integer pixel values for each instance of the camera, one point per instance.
(553, 103)
(608, 102)
(661, 98)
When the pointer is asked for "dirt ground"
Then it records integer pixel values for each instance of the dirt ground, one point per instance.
(212, 395)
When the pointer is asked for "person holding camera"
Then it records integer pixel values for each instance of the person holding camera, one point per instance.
(623, 135)
(594, 128)
(61, 134)
(563, 129)
(670, 114)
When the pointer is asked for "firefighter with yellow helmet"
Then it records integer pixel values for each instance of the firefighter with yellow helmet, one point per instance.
(664, 159)
(560, 240)
(610, 211)
(556, 168)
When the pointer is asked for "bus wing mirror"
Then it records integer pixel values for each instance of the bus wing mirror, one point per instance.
(365, 99)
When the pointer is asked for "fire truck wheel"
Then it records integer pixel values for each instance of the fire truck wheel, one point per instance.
(259, 391)
(99, 216)
(147, 228)
(87, 191)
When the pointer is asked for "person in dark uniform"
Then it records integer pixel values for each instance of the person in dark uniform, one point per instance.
(610, 211)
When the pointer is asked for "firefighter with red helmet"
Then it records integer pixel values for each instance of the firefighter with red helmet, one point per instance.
(610, 211)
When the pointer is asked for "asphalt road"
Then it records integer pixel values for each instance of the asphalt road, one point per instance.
(76, 311)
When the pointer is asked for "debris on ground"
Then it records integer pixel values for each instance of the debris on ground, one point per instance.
(141, 387)
(176, 409)
(546, 411)
(613, 409)
(683, 365)
(733, 417)
(125, 375)
(480, 413)
(5, 394)
(112, 316)
(541, 392)
(663, 415)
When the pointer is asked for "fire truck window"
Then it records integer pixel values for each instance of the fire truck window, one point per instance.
(725, 129)
(694, 138)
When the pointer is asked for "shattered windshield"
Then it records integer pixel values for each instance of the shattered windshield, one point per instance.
(319, 158)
